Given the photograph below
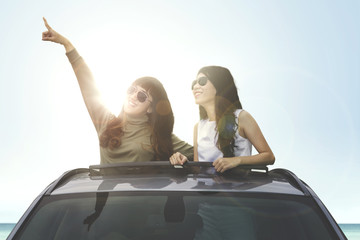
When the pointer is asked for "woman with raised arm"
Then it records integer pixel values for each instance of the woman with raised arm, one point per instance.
(143, 129)
(225, 133)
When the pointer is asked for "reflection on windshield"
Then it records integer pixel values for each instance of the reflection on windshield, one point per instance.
(155, 215)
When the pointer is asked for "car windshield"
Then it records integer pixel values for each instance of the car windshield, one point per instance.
(175, 215)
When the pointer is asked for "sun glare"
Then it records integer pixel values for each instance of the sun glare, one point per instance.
(123, 59)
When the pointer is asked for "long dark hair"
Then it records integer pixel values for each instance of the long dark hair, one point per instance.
(226, 102)
(161, 121)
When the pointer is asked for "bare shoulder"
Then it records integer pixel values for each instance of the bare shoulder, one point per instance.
(245, 117)
(246, 123)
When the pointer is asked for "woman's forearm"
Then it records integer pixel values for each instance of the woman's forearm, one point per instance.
(264, 158)
(68, 46)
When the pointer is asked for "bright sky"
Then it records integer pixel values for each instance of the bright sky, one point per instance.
(296, 64)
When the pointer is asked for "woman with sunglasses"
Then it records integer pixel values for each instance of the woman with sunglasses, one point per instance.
(225, 133)
(143, 129)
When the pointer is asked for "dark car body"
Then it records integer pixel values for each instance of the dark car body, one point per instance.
(156, 200)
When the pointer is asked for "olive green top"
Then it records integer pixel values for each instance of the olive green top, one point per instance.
(135, 143)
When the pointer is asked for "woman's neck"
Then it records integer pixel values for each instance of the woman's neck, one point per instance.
(136, 119)
(210, 111)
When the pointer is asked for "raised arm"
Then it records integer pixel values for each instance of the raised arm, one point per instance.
(92, 97)
(52, 36)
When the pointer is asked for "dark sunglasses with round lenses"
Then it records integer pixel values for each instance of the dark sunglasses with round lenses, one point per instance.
(142, 96)
(201, 81)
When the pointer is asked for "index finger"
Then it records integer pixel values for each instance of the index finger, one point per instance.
(46, 24)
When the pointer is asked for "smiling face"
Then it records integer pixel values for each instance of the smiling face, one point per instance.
(204, 95)
(137, 102)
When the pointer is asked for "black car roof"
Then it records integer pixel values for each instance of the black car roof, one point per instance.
(162, 176)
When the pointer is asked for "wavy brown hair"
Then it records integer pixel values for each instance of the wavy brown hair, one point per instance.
(161, 121)
(226, 102)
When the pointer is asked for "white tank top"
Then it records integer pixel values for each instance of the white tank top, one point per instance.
(207, 137)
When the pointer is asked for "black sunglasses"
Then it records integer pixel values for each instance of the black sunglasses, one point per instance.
(201, 80)
(141, 95)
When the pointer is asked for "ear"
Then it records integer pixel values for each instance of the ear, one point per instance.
(149, 110)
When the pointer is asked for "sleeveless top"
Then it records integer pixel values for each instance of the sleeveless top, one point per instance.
(207, 138)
